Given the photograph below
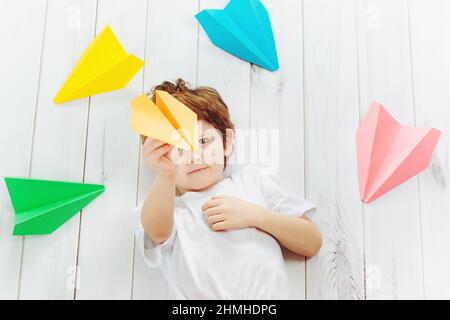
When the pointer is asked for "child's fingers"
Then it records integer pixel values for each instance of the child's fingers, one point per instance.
(168, 154)
(213, 211)
(219, 196)
(216, 218)
(211, 203)
(147, 142)
(161, 151)
(218, 226)
(152, 144)
(153, 147)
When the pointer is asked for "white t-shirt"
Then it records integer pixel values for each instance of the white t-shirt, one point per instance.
(200, 263)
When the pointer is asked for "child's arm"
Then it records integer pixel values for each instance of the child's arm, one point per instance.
(158, 208)
(298, 234)
(157, 211)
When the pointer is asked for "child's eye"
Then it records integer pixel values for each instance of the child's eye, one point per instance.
(205, 140)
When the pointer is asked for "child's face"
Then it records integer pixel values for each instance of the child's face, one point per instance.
(203, 168)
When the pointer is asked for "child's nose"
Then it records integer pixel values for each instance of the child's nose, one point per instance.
(195, 157)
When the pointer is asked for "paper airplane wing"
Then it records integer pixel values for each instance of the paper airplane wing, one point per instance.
(372, 139)
(254, 20)
(181, 117)
(148, 120)
(389, 153)
(42, 206)
(103, 67)
(243, 29)
(410, 154)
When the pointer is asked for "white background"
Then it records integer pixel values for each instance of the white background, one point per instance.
(335, 57)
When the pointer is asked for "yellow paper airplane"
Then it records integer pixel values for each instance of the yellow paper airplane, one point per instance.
(168, 120)
(104, 66)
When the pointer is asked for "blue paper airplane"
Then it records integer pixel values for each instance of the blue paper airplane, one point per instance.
(243, 29)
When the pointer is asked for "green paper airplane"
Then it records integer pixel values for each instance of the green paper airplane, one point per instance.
(42, 206)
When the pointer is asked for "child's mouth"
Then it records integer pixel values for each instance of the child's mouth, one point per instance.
(197, 170)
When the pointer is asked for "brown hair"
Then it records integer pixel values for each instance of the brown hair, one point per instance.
(206, 102)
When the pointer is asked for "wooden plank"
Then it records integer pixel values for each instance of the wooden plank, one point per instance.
(276, 113)
(20, 61)
(58, 150)
(430, 52)
(171, 53)
(331, 106)
(226, 73)
(107, 227)
(392, 223)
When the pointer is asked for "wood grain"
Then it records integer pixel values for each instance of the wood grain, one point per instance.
(58, 148)
(112, 153)
(430, 47)
(331, 102)
(20, 67)
(392, 224)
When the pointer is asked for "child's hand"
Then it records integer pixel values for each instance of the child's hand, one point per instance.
(157, 155)
(225, 213)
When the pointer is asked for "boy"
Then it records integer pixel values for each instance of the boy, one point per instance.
(218, 237)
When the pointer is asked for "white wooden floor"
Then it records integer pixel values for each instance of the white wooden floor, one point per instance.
(335, 56)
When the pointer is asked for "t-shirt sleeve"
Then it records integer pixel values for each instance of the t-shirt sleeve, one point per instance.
(152, 251)
(279, 200)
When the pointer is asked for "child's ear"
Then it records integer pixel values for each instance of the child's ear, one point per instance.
(229, 142)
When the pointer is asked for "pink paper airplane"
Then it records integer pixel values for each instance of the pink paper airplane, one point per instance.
(389, 153)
